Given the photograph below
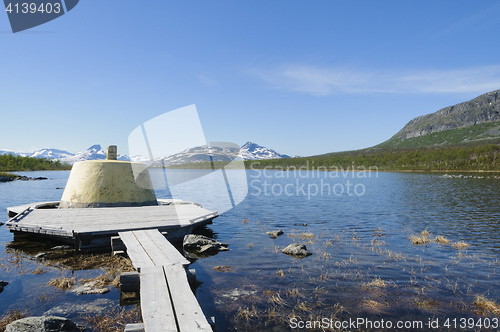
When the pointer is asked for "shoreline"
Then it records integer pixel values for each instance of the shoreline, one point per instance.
(323, 169)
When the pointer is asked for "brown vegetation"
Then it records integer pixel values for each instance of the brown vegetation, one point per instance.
(486, 306)
(114, 320)
(63, 283)
(10, 317)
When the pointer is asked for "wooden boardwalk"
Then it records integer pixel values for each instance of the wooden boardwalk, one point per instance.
(91, 228)
(167, 302)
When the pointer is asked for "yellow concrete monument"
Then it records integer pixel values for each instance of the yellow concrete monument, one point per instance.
(107, 183)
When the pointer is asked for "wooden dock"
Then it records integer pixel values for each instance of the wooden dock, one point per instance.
(91, 228)
(167, 302)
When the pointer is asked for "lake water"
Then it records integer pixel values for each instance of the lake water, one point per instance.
(357, 225)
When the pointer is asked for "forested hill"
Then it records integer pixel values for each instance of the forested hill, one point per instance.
(10, 163)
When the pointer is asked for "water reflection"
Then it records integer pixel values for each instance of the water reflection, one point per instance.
(362, 264)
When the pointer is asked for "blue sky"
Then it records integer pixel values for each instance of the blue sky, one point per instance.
(301, 77)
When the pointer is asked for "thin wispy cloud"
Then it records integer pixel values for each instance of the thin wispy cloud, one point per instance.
(323, 81)
(479, 21)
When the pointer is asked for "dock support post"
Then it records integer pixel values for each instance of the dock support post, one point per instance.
(130, 282)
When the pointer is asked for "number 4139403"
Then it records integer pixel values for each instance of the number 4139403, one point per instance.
(32, 8)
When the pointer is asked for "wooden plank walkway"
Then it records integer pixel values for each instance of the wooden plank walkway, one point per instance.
(150, 248)
(167, 302)
(85, 225)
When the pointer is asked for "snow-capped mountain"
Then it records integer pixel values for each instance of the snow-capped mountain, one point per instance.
(2, 152)
(199, 154)
(50, 154)
(249, 151)
(253, 151)
(95, 152)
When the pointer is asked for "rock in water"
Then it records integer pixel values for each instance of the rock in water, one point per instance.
(43, 324)
(275, 233)
(2, 285)
(296, 249)
(91, 287)
(203, 244)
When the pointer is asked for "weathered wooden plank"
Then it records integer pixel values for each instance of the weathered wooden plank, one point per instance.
(114, 219)
(189, 315)
(156, 305)
(159, 249)
(137, 327)
(135, 251)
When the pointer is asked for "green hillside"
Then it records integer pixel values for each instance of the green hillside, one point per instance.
(484, 133)
(458, 158)
(463, 137)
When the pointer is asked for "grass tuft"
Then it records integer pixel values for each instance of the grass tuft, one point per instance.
(63, 283)
(460, 245)
(377, 282)
(114, 320)
(223, 268)
(418, 240)
(10, 317)
(487, 306)
(442, 240)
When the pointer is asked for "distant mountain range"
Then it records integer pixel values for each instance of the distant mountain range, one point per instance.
(249, 151)
(472, 122)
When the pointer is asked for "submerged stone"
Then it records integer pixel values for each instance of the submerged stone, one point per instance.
(203, 244)
(91, 287)
(296, 249)
(275, 233)
(2, 285)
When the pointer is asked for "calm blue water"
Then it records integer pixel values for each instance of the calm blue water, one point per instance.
(358, 229)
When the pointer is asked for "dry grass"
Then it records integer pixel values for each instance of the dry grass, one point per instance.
(250, 245)
(293, 292)
(63, 283)
(110, 277)
(303, 306)
(112, 265)
(268, 292)
(10, 317)
(246, 313)
(113, 320)
(377, 282)
(442, 240)
(302, 236)
(276, 300)
(460, 245)
(39, 270)
(486, 306)
(425, 233)
(280, 273)
(223, 268)
(373, 306)
(95, 261)
(419, 239)
(244, 220)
